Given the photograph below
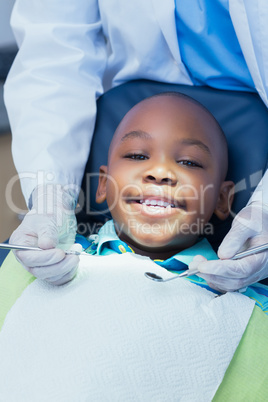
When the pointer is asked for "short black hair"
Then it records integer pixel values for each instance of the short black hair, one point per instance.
(194, 101)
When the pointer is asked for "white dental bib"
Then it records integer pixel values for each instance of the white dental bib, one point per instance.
(113, 335)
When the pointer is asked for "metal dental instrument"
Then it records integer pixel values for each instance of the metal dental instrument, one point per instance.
(253, 250)
(250, 251)
(29, 248)
(157, 278)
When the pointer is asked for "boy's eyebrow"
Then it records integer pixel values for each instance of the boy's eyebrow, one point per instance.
(147, 136)
(200, 144)
(136, 134)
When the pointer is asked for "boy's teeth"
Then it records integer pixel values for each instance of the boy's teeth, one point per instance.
(158, 203)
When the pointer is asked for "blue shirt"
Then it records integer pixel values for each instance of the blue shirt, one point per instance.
(209, 47)
(100, 245)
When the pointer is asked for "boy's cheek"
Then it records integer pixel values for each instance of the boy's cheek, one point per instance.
(200, 202)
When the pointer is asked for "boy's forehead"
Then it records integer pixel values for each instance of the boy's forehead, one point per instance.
(152, 110)
(183, 115)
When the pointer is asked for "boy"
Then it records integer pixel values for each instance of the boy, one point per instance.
(111, 334)
(165, 178)
(165, 175)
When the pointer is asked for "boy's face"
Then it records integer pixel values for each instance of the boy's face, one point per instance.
(165, 174)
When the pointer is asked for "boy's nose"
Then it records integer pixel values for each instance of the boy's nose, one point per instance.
(160, 175)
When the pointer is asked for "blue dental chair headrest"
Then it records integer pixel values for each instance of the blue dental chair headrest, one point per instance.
(242, 116)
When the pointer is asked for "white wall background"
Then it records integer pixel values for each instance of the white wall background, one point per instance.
(6, 35)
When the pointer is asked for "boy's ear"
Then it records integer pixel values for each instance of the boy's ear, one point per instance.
(101, 190)
(225, 200)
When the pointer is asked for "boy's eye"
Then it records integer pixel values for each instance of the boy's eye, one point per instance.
(189, 163)
(138, 157)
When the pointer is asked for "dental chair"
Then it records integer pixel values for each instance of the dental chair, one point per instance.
(96, 358)
(242, 116)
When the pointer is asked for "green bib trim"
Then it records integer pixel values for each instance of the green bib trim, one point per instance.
(246, 378)
(12, 271)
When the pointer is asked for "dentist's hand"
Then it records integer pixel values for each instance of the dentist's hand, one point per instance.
(50, 223)
(250, 229)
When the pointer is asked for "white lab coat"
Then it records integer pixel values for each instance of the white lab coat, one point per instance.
(52, 87)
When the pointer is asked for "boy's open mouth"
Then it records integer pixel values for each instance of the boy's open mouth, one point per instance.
(156, 202)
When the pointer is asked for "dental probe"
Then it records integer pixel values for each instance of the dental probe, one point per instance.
(250, 251)
(29, 248)
(242, 254)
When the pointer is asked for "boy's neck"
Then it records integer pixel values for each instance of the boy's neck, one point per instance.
(161, 253)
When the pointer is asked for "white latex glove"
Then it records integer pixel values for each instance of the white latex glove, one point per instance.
(50, 223)
(249, 229)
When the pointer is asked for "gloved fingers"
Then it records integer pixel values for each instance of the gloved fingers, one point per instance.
(39, 258)
(241, 268)
(232, 243)
(230, 275)
(246, 225)
(250, 218)
(44, 236)
(76, 247)
(58, 281)
(48, 236)
(56, 272)
(23, 239)
(68, 232)
(235, 240)
(194, 264)
(222, 284)
(215, 282)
